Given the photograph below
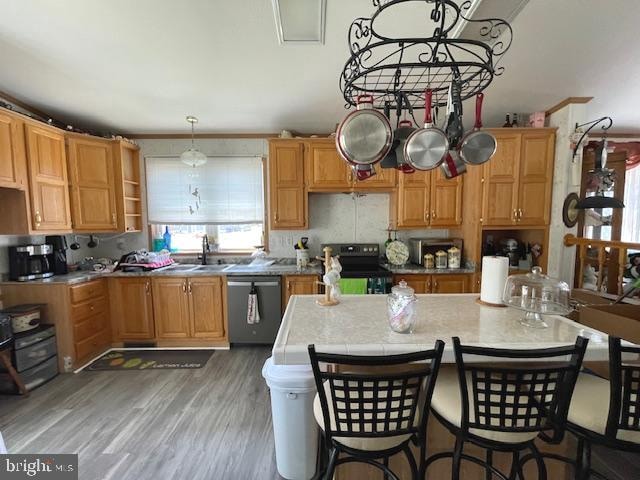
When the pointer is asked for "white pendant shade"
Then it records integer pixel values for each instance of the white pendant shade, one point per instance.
(193, 157)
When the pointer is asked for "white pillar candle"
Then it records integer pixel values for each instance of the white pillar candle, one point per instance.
(495, 271)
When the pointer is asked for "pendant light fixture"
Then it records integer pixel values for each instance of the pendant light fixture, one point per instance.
(193, 157)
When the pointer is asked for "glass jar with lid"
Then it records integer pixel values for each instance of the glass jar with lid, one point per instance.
(401, 304)
(537, 294)
(454, 257)
(429, 261)
(441, 259)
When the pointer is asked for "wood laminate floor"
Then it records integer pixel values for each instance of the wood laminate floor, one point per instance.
(209, 423)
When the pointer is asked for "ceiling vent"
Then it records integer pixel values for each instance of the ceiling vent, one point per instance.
(300, 21)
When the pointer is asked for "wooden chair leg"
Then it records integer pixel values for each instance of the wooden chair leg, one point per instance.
(15, 376)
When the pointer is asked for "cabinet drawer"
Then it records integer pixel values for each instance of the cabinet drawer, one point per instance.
(89, 327)
(95, 306)
(92, 345)
(34, 354)
(32, 378)
(82, 293)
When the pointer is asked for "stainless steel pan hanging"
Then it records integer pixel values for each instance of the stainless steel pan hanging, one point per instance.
(477, 146)
(364, 137)
(426, 148)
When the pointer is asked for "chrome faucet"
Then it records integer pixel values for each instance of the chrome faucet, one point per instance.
(205, 248)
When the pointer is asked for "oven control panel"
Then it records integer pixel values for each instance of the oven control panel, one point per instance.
(354, 249)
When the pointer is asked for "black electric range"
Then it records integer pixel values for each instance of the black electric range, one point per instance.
(362, 260)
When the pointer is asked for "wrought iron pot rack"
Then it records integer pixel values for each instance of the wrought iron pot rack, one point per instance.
(387, 67)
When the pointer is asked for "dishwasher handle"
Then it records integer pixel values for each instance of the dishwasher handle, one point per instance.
(257, 284)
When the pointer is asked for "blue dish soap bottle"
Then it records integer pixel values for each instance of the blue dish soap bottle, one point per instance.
(167, 239)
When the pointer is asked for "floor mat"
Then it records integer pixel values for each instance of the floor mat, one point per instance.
(151, 360)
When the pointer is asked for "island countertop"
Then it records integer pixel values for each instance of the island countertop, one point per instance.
(358, 326)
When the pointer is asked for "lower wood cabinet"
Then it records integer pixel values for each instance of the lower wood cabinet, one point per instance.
(189, 307)
(132, 308)
(89, 308)
(298, 285)
(439, 283)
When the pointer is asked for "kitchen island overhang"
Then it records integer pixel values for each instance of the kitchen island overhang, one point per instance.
(359, 326)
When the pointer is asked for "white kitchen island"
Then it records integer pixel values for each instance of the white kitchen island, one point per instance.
(359, 326)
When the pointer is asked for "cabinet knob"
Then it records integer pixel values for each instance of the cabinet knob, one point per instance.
(38, 218)
(147, 287)
(514, 217)
(520, 213)
(184, 287)
(426, 216)
(433, 214)
(189, 288)
(276, 217)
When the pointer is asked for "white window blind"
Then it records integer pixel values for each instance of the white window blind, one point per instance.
(226, 190)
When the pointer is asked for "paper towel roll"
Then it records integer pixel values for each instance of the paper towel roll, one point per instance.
(495, 271)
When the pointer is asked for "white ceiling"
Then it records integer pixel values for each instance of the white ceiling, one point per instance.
(142, 66)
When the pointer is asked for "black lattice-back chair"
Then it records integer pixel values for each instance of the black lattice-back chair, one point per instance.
(372, 407)
(502, 399)
(606, 412)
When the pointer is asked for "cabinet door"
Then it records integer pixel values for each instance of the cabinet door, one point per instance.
(48, 179)
(456, 283)
(298, 285)
(327, 170)
(384, 179)
(171, 307)
(91, 176)
(500, 179)
(206, 307)
(132, 308)
(12, 154)
(446, 200)
(420, 283)
(413, 200)
(288, 200)
(536, 175)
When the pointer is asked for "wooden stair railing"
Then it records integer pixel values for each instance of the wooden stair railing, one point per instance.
(584, 244)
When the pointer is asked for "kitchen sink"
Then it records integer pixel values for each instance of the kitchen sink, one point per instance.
(213, 268)
(182, 268)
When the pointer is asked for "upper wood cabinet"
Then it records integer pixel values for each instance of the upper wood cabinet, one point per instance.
(131, 308)
(517, 181)
(189, 308)
(287, 195)
(328, 172)
(92, 184)
(13, 163)
(127, 183)
(427, 199)
(48, 181)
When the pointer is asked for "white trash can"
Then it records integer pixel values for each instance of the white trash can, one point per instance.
(294, 426)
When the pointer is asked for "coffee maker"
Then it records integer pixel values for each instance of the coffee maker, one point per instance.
(30, 262)
(58, 258)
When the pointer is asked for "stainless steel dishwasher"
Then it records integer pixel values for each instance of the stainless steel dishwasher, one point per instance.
(269, 307)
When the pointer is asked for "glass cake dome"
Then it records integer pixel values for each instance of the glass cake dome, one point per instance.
(536, 294)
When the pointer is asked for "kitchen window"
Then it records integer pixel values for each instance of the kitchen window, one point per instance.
(223, 199)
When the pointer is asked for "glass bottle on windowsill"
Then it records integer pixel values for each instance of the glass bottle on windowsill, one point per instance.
(507, 122)
(167, 238)
(515, 123)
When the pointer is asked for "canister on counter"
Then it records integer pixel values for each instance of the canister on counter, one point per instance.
(454, 257)
(429, 261)
(441, 259)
